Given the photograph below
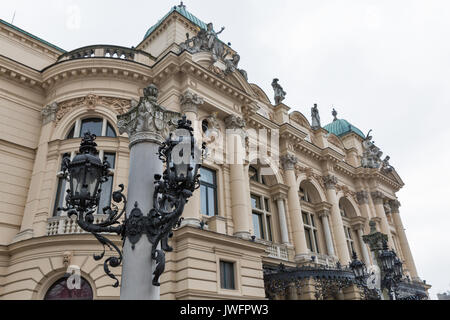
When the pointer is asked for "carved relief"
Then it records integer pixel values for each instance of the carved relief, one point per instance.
(362, 197)
(49, 113)
(212, 133)
(120, 106)
(190, 101)
(330, 182)
(147, 121)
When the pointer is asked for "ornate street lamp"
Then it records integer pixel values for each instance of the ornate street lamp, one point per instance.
(358, 267)
(86, 173)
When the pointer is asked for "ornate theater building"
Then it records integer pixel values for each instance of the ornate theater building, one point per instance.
(282, 224)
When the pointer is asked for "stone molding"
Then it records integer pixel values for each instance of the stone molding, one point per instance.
(120, 106)
(49, 113)
(190, 101)
(395, 205)
(288, 161)
(377, 197)
(330, 181)
(147, 121)
(362, 197)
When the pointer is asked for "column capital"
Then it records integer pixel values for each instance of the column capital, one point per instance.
(279, 196)
(362, 197)
(147, 121)
(377, 197)
(189, 102)
(288, 161)
(395, 205)
(324, 213)
(234, 122)
(330, 181)
(48, 113)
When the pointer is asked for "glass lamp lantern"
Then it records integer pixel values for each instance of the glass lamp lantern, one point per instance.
(86, 173)
(398, 268)
(387, 258)
(358, 267)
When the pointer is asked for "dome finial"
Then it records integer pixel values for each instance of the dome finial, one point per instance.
(181, 5)
(334, 113)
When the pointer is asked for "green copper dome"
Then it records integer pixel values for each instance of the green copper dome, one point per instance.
(181, 9)
(341, 127)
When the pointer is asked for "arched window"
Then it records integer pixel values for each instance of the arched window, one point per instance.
(348, 213)
(309, 196)
(101, 128)
(98, 126)
(253, 174)
(60, 291)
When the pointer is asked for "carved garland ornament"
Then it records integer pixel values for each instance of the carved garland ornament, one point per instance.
(120, 106)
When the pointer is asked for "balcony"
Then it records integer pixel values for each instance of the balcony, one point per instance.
(277, 251)
(109, 52)
(65, 225)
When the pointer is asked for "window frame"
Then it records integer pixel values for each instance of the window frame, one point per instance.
(265, 216)
(223, 278)
(212, 186)
(312, 230)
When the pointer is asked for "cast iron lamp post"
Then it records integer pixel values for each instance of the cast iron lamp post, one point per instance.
(86, 173)
(387, 260)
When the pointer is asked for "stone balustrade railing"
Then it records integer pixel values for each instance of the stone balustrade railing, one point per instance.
(66, 225)
(108, 51)
(277, 251)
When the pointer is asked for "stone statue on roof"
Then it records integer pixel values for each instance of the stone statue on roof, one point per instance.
(385, 166)
(315, 124)
(211, 35)
(280, 94)
(371, 153)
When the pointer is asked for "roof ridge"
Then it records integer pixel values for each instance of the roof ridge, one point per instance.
(31, 35)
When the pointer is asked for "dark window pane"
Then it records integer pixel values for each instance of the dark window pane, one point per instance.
(316, 242)
(94, 126)
(257, 225)
(312, 221)
(308, 239)
(60, 291)
(204, 199)
(305, 218)
(269, 228)
(207, 176)
(256, 202)
(227, 275)
(105, 196)
(211, 202)
(110, 132)
(266, 204)
(71, 133)
(60, 191)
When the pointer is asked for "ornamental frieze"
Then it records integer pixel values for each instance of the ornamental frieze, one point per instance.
(90, 102)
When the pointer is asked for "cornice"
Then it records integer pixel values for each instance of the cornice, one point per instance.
(29, 42)
(19, 73)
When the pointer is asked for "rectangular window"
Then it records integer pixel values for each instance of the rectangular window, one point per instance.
(266, 204)
(258, 226)
(311, 235)
(60, 193)
(256, 202)
(227, 275)
(308, 239)
(105, 195)
(208, 192)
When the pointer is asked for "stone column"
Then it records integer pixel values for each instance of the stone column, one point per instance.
(189, 103)
(395, 205)
(336, 220)
(363, 201)
(147, 125)
(378, 201)
(365, 253)
(327, 232)
(295, 210)
(34, 216)
(282, 219)
(236, 135)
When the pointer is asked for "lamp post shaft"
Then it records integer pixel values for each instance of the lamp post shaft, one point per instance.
(138, 267)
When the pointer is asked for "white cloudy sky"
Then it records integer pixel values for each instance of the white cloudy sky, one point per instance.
(384, 65)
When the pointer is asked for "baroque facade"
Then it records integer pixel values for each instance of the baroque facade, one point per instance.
(307, 202)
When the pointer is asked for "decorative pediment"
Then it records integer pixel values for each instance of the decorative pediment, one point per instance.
(336, 141)
(300, 119)
(260, 93)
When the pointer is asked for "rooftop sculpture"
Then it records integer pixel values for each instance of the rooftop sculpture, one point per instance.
(315, 124)
(280, 94)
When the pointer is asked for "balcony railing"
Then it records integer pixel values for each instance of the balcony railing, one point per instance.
(108, 51)
(277, 251)
(66, 225)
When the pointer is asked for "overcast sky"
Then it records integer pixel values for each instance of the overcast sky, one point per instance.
(384, 65)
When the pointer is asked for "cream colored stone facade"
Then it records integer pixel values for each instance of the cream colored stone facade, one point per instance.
(45, 92)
